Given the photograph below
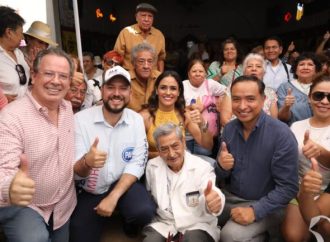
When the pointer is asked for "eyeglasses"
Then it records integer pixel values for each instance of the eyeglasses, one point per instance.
(21, 74)
(143, 61)
(75, 91)
(319, 96)
(50, 75)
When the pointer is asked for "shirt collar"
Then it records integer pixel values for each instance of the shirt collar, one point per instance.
(124, 119)
(63, 104)
(139, 31)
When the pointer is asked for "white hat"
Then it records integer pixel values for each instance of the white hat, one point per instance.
(41, 31)
(116, 71)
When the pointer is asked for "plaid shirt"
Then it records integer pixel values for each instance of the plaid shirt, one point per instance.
(25, 127)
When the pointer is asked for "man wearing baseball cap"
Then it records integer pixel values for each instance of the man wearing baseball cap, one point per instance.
(142, 31)
(111, 154)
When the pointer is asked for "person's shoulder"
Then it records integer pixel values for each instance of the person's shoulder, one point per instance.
(88, 113)
(154, 162)
(196, 162)
(132, 115)
(277, 127)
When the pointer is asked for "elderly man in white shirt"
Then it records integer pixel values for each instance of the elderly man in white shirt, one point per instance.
(182, 186)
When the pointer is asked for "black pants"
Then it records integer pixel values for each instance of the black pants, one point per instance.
(136, 206)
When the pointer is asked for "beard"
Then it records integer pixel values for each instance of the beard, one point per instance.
(114, 110)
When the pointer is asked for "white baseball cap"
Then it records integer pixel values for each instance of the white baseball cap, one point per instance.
(116, 71)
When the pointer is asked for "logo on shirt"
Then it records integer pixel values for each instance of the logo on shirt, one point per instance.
(127, 154)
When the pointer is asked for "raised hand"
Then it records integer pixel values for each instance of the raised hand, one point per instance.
(225, 160)
(22, 187)
(95, 158)
(289, 99)
(310, 148)
(212, 198)
(291, 47)
(312, 180)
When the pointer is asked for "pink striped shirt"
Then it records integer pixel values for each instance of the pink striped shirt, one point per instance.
(26, 128)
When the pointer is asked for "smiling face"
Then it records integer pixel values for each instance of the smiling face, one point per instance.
(116, 94)
(272, 50)
(229, 52)
(247, 102)
(321, 109)
(52, 81)
(305, 69)
(171, 150)
(168, 93)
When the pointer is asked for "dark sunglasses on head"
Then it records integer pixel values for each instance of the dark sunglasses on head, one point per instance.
(319, 96)
(21, 74)
(112, 63)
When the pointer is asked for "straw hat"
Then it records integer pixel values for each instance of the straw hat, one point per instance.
(41, 31)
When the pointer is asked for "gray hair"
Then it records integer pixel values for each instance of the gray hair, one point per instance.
(166, 129)
(254, 56)
(52, 51)
(142, 47)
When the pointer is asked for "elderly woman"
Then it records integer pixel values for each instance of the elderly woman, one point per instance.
(14, 71)
(204, 94)
(167, 104)
(255, 65)
(293, 101)
(313, 136)
(228, 67)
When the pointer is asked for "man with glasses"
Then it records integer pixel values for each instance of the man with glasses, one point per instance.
(143, 75)
(14, 71)
(141, 32)
(37, 194)
(111, 154)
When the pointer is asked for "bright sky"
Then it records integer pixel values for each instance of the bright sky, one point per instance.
(30, 10)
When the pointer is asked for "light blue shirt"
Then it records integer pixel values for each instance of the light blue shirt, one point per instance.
(274, 78)
(125, 143)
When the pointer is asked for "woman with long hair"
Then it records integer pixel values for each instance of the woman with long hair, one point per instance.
(228, 67)
(167, 104)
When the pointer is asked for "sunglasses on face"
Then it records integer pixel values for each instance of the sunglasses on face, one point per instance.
(319, 96)
(21, 74)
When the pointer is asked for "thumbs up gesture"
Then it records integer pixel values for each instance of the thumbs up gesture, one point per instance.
(193, 114)
(95, 158)
(212, 198)
(289, 99)
(312, 180)
(225, 159)
(310, 148)
(22, 187)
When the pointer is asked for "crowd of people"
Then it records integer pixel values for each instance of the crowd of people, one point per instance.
(239, 151)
